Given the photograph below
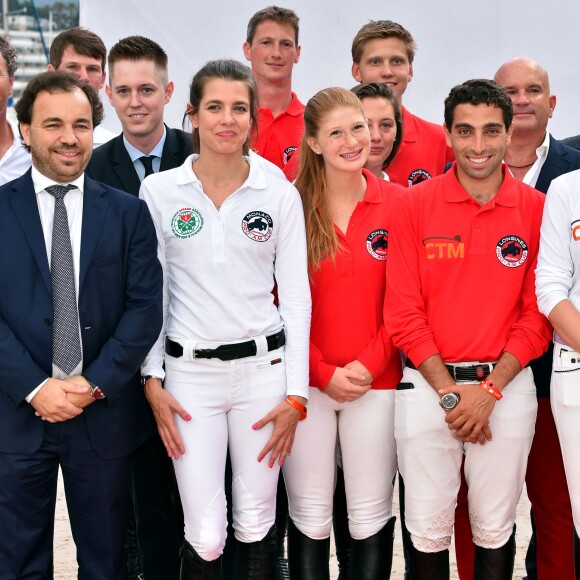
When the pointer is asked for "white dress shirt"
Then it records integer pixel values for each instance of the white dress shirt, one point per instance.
(73, 202)
(531, 176)
(16, 161)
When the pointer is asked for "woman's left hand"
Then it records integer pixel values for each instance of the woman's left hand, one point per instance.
(285, 418)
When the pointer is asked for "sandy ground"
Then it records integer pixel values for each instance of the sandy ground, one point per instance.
(65, 564)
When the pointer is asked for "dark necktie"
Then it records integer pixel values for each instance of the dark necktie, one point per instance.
(66, 343)
(147, 161)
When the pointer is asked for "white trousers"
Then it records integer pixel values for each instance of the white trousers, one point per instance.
(565, 399)
(365, 430)
(430, 459)
(224, 400)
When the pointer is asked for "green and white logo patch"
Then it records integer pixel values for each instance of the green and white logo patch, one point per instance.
(186, 223)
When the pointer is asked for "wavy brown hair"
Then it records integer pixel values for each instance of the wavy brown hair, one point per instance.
(321, 237)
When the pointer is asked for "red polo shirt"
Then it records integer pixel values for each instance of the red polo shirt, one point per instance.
(460, 276)
(423, 153)
(347, 300)
(279, 137)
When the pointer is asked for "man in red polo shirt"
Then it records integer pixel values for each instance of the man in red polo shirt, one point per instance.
(272, 48)
(461, 305)
(383, 52)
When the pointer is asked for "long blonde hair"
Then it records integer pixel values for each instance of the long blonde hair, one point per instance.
(321, 237)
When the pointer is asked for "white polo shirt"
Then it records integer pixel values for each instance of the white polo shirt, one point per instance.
(219, 266)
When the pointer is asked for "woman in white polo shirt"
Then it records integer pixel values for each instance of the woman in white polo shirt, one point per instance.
(558, 292)
(236, 365)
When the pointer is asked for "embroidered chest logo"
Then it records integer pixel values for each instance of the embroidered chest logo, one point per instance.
(511, 251)
(575, 230)
(287, 155)
(444, 248)
(378, 244)
(418, 176)
(257, 225)
(186, 223)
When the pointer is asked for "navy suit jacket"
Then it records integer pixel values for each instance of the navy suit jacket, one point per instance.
(120, 314)
(112, 165)
(561, 159)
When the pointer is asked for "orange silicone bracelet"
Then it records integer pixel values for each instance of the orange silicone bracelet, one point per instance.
(491, 389)
(298, 406)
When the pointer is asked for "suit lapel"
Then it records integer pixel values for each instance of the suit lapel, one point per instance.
(25, 205)
(95, 206)
(170, 156)
(124, 168)
(554, 166)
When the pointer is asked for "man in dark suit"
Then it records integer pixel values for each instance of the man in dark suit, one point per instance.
(139, 90)
(80, 306)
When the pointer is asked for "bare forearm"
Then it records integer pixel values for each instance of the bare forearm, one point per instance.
(508, 366)
(565, 318)
(435, 373)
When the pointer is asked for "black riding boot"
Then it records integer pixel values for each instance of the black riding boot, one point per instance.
(257, 560)
(496, 564)
(576, 554)
(193, 567)
(429, 565)
(342, 539)
(372, 557)
(307, 558)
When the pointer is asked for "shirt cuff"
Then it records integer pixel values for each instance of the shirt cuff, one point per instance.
(31, 395)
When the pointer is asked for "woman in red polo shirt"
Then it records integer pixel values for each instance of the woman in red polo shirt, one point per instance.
(353, 367)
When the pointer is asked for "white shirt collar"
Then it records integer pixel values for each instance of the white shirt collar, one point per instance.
(41, 182)
(256, 178)
(157, 151)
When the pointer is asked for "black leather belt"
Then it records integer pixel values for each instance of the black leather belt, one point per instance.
(472, 373)
(227, 351)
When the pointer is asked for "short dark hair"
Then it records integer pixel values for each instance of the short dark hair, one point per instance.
(55, 82)
(138, 48)
(9, 54)
(375, 29)
(382, 91)
(478, 92)
(275, 13)
(83, 41)
(230, 70)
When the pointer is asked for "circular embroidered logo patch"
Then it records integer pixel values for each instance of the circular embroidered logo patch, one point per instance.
(377, 244)
(511, 251)
(257, 225)
(418, 176)
(186, 223)
(287, 155)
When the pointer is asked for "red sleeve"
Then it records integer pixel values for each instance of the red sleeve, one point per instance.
(378, 353)
(404, 312)
(320, 371)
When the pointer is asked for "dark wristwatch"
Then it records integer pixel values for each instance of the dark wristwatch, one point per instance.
(147, 377)
(96, 392)
(449, 401)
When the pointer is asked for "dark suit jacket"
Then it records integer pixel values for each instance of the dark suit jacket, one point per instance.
(561, 159)
(573, 142)
(112, 165)
(120, 314)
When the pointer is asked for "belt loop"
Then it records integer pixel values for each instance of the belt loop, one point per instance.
(188, 350)
(261, 345)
